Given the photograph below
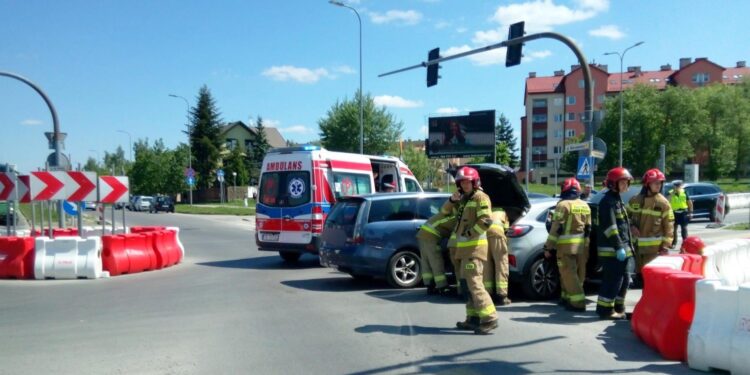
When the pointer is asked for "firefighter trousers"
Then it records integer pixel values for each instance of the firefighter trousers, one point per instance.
(644, 257)
(615, 280)
(478, 301)
(572, 275)
(497, 271)
(456, 269)
(433, 268)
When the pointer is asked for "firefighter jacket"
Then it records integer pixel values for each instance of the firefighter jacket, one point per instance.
(473, 213)
(438, 226)
(500, 223)
(571, 224)
(613, 226)
(653, 217)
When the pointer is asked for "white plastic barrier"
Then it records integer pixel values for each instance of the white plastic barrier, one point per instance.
(97, 231)
(719, 337)
(68, 258)
(738, 200)
(179, 243)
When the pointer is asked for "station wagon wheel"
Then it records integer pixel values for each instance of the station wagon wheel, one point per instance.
(542, 279)
(404, 270)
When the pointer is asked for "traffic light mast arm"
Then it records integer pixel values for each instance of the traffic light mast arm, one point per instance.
(588, 89)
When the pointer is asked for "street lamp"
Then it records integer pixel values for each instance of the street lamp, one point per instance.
(130, 140)
(622, 56)
(361, 104)
(190, 152)
(234, 193)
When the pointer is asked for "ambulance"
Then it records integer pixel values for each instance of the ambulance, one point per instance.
(299, 185)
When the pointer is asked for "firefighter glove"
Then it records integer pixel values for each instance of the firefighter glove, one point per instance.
(621, 254)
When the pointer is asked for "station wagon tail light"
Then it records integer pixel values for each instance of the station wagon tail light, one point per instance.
(512, 260)
(316, 224)
(518, 230)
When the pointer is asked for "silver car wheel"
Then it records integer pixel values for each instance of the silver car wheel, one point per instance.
(404, 270)
(544, 279)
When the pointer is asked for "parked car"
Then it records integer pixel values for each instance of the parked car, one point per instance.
(373, 235)
(704, 196)
(162, 203)
(143, 203)
(537, 195)
(5, 207)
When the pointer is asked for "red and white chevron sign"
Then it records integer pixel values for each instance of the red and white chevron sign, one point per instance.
(24, 193)
(80, 186)
(7, 185)
(46, 186)
(113, 189)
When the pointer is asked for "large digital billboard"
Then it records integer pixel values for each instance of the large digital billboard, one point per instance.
(460, 136)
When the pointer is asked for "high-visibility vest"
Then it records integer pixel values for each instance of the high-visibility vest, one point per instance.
(678, 200)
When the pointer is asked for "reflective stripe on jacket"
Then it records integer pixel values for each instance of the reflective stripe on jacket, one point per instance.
(438, 226)
(613, 225)
(471, 230)
(569, 222)
(499, 223)
(654, 219)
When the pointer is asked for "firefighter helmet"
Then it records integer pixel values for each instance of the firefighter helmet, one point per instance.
(617, 174)
(467, 173)
(653, 175)
(571, 184)
(693, 245)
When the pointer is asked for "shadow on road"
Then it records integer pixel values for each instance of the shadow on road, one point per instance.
(456, 363)
(414, 295)
(335, 284)
(410, 330)
(549, 313)
(264, 263)
(674, 368)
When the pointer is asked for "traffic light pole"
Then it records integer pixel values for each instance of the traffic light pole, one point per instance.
(588, 87)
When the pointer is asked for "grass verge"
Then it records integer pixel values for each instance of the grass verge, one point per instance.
(742, 226)
(215, 209)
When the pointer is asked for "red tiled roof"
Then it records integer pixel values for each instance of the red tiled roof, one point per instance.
(658, 78)
(540, 85)
(735, 75)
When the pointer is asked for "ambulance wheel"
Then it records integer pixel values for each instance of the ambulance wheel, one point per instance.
(289, 256)
(404, 270)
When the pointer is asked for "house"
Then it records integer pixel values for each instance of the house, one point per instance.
(237, 134)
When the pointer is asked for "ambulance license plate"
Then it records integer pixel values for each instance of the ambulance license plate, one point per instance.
(269, 236)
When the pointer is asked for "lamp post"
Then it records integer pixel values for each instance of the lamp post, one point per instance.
(190, 152)
(361, 104)
(130, 140)
(622, 57)
(234, 193)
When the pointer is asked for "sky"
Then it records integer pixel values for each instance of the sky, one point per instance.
(109, 66)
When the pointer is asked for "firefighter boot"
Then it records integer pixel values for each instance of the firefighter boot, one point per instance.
(470, 324)
(486, 328)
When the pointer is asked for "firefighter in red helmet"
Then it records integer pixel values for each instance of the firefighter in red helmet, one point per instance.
(651, 220)
(692, 245)
(473, 219)
(614, 247)
(571, 224)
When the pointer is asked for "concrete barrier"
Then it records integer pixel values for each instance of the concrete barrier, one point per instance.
(738, 200)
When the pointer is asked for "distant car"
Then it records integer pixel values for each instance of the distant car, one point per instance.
(704, 196)
(162, 203)
(537, 195)
(143, 203)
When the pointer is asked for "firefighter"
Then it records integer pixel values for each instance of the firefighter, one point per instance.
(571, 224)
(473, 219)
(651, 220)
(682, 207)
(429, 235)
(496, 269)
(613, 245)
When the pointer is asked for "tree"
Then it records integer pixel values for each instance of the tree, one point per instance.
(157, 170)
(339, 130)
(508, 153)
(204, 138)
(116, 161)
(236, 163)
(417, 162)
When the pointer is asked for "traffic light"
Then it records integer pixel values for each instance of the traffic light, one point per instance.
(432, 70)
(513, 54)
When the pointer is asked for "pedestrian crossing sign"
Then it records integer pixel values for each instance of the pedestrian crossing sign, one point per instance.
(585, 167)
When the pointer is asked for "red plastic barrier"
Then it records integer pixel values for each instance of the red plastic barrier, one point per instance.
(114, 258)
(143, 229)
(127, 253)
(170, 240)
(140, 253)
(662, 317)
(17, 257)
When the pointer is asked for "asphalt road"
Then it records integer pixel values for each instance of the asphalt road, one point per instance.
(228, 308)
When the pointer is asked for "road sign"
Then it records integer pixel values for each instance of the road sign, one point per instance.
(576, 147)
(597, 154)
(220, 172)
(46, 186)
(81, 186)
(6, 186)
(585, 168)
(113, 189)
(190, 180)
(25, 192)
(70, 208)
(189, 172)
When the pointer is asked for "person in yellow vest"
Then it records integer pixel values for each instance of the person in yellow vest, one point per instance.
(473, 220)
(651, 220)
(497, 270)
(571, 224)
(429, 235)
(682, 207)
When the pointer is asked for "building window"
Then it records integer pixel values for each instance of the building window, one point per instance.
(581, 83)
(539, 118)
(538, 150)
(571, 116)
(557, 102)
(539, 134)
(570, 133)
(570, 100)
(540, 103)
(231, 143)
(700, 78)
(557, 150)
(601, 98)
(559, 117)
(558, 134)
(248, 146)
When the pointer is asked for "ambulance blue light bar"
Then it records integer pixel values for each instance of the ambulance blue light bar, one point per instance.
(286, 150)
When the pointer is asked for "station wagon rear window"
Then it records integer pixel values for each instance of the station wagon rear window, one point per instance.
(285, 189)
(344, 216)
(393, 209)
